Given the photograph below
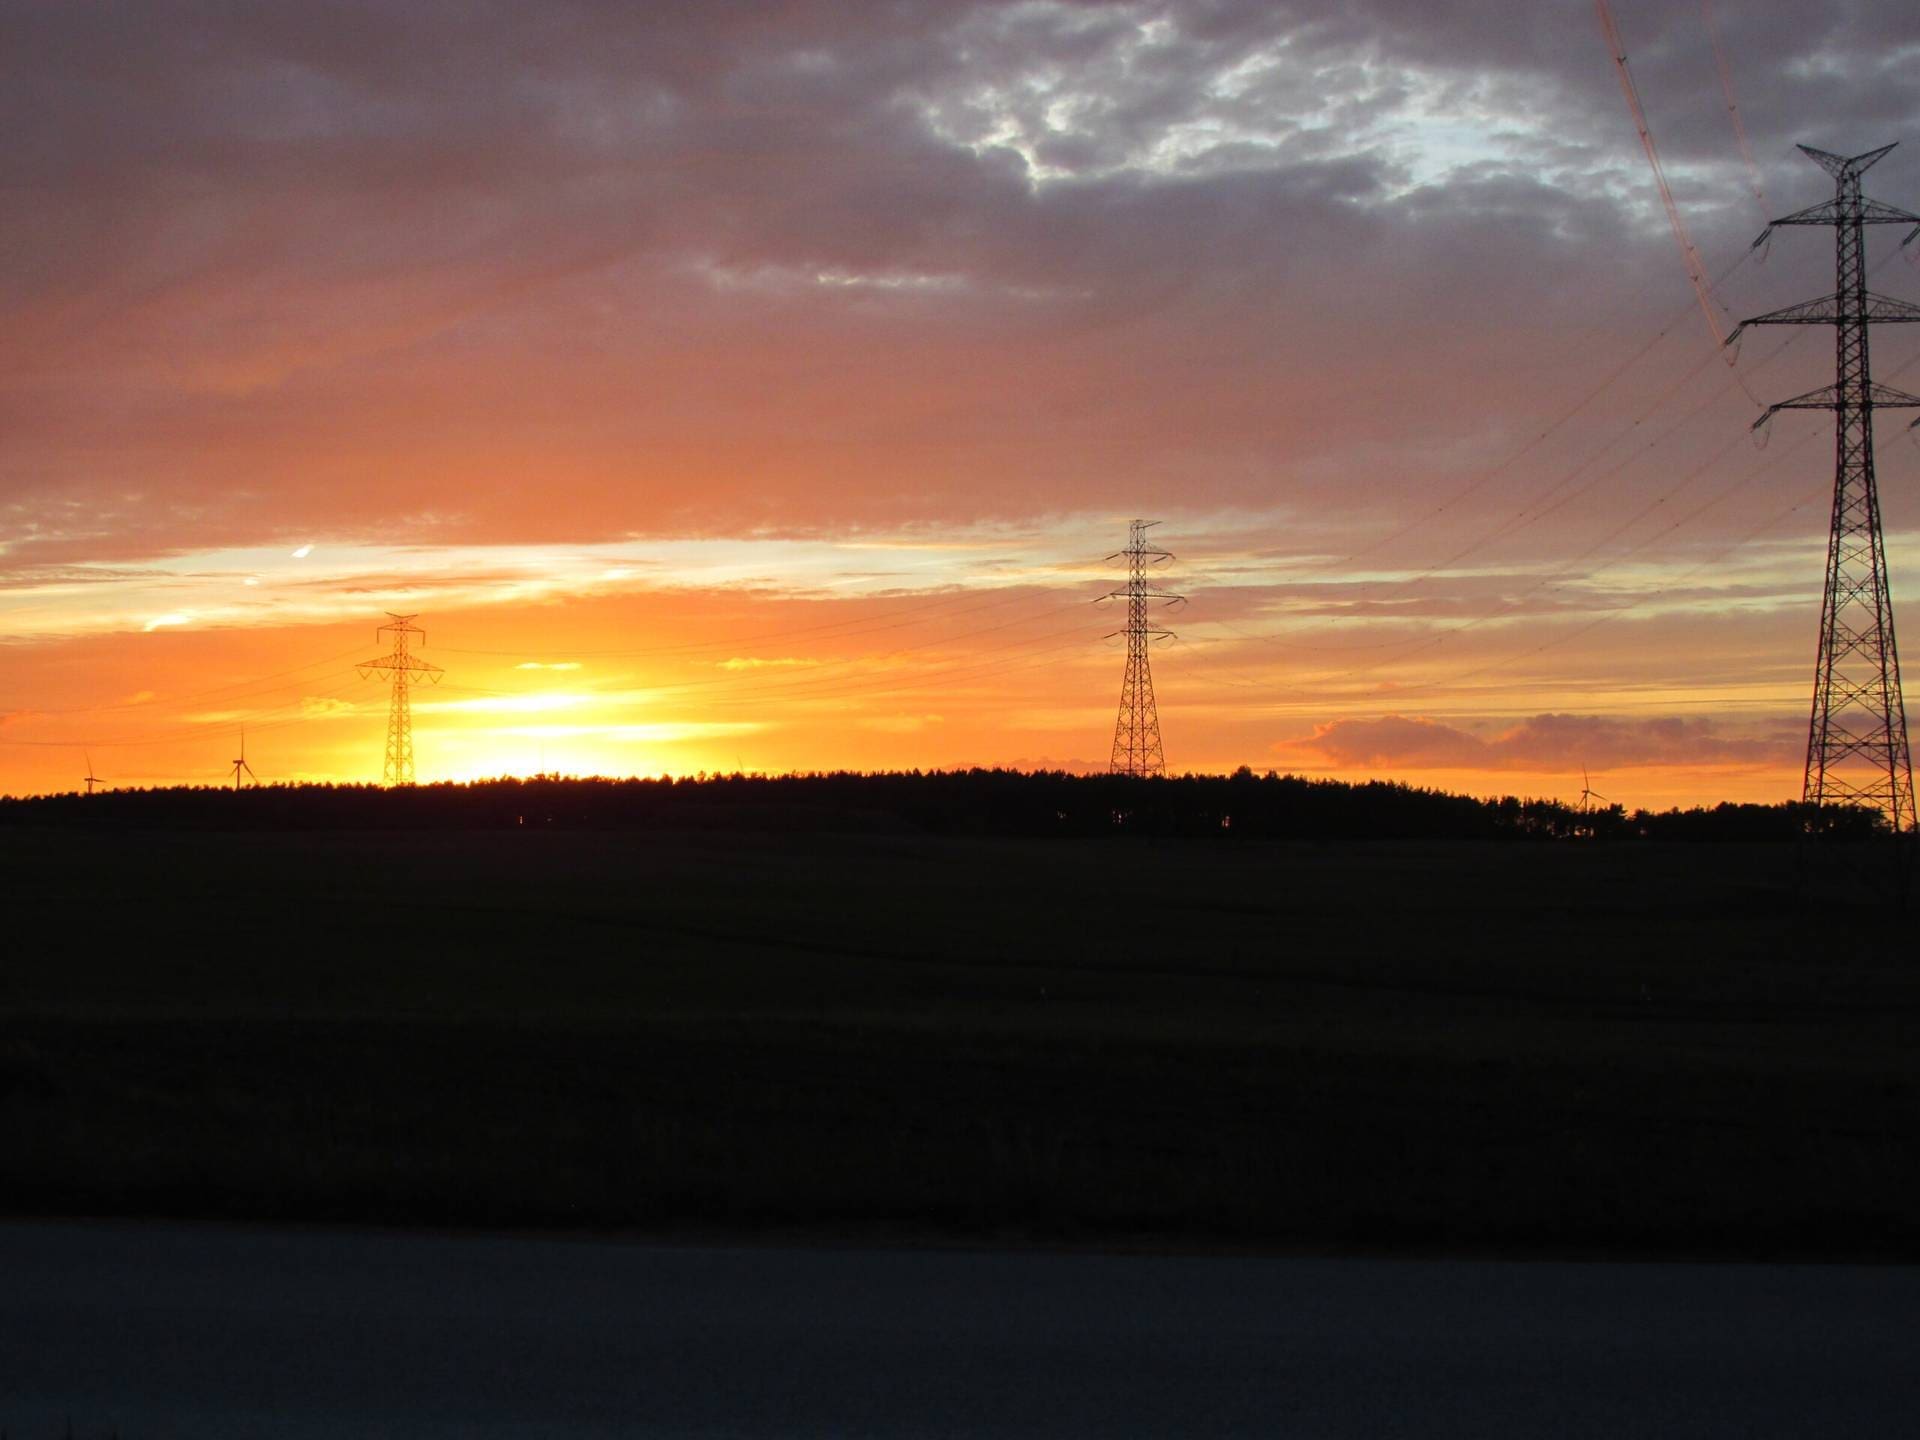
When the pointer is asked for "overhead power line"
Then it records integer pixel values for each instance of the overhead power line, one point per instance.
(1733, 106)
(1689, 254)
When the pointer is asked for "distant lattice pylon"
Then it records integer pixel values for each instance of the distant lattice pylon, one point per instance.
(404, 670)
(1136, 733)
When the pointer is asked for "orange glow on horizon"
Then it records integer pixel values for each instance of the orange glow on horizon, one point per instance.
(767, 396)
(648, 681)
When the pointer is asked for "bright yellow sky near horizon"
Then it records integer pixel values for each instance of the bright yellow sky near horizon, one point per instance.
(803, 655)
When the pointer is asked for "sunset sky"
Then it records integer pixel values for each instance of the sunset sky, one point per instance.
(765, 386)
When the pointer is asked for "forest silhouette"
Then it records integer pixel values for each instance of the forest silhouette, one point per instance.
(1241, 806)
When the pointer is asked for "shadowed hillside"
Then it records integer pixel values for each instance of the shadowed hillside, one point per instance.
(963, 1006)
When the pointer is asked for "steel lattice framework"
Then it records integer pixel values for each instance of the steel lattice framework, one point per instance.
(405, 671)
(1136, 734)
(1857, 738)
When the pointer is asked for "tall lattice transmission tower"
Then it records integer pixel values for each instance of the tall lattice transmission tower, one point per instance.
(405, 670)
(1136, 734)
(1857, 738)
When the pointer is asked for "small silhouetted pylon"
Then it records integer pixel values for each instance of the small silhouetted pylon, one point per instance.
(404, 670)
(1857, 737)
(1136, 733)
(240, 766)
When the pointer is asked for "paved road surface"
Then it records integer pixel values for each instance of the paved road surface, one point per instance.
(165, 1331)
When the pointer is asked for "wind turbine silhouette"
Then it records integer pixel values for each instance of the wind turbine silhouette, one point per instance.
(1587, 792)
(92, 779)
(241, 764)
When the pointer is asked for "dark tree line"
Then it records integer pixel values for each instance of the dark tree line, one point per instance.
(983, 802)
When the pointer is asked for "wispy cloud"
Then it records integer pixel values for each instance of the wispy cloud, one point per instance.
(755, 662)
(1541, 742)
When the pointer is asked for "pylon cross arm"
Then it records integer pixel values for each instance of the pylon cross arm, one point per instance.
(1824, 311)
(1885, 310)
(1829, 310)
(1885, 397)
(1827, 397)
(1832, 212)
(1841, 166)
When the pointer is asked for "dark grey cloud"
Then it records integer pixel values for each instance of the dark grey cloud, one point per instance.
(271, 268)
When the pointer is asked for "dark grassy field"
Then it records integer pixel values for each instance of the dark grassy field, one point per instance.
(1520, 1047)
